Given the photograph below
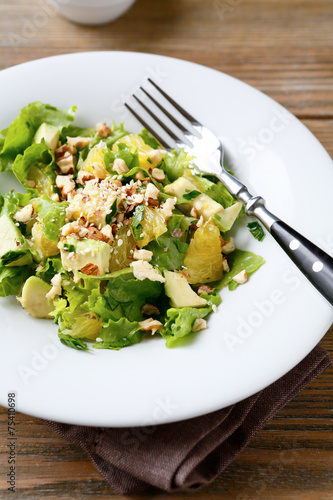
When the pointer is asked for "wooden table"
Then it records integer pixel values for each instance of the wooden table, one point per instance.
(285, 49)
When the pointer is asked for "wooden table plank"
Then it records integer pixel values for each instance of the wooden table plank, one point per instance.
(284, 49)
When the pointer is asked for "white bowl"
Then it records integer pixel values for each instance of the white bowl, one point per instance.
(92, 12)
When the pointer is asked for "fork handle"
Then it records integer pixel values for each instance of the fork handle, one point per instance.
(313, 262)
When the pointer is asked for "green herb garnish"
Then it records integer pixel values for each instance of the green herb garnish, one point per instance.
(191, 195)
(136, 222)
(256, 230)
(70, 341)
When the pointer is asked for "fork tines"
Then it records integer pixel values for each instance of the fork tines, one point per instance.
(182, 136)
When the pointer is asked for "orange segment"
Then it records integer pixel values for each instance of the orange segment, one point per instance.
(120, 254)
(153, 225)
(148, 157)
(203, 259)
(94, 163)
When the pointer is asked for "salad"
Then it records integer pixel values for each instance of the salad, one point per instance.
(113, 237)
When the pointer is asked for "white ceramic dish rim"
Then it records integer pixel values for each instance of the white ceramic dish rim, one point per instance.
(138, 412)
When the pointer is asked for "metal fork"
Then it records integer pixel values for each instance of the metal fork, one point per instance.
(208, 150)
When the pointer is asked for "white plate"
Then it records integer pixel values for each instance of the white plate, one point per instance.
(262, 329)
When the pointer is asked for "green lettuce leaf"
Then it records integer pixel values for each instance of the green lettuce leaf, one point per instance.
(124, 298)
(176, 163)
(238, 261)
(180, 321)
(117, 133)
(11, 202)
(118, 334)
(72, 342)
(169, 251)
(19, 135)
(149, 139)
(49, 268)
(74, 131)
(124, 153)
(52, 215)
(35, 154)
(12, 279)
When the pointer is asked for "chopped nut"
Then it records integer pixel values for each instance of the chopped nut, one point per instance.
(241, 277)
(77, 142)
(140, 176)
(204, 289)
(149, 310)
(200, 221)
(152, 191)
(65, 183)
(99, 170)
(142, 255)
(83, 177)
(120, 166)
(158, 174)
(24, 215)
(95, 234)
(90, 269)
(152, 202)
(194, 213)
(56, 287)
(199, 324)
(117, 183)
(156, 156)
(71, 195)
(55, 197)
(225, 265)
(66, 163)
(138, 198)
(228, 246)
(150, 324)
(167, 208)
(103, 130)
(177, 233)
(107, 231)
(61, 150)
(143, 270)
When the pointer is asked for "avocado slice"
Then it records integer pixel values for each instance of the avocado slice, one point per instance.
(13, 247)
(76, 254)
(204, 205)
(34, 299)
(43, 247)
(49, 133)
(179, 291)
(226, 217)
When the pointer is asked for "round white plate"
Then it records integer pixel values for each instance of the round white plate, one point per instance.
(262, 329)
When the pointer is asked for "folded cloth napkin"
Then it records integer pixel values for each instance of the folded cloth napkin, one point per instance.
(185, 455)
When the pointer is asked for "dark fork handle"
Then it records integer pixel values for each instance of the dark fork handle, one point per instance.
(314, 263)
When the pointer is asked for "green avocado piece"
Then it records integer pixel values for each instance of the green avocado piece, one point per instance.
(76, 254)
(34, 299)
(49, 133)
(226, 217)
(13, 248)
(179, 291)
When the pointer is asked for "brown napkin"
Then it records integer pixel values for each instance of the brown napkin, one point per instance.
(186, 455)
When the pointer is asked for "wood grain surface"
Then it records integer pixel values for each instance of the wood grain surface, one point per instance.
(285, 49)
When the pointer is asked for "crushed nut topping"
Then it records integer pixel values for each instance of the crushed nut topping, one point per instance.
(24, 215)
(103, 130)
(90, 269)
(150, 324)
